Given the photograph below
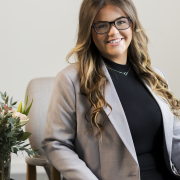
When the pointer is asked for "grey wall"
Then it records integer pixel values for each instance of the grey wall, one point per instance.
(161, 21)
(35, 37)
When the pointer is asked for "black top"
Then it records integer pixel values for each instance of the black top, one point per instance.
(145, 121)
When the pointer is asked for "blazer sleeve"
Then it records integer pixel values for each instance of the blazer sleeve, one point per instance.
(60, 132)
(175, 153)
(164, 76)
(176, 120)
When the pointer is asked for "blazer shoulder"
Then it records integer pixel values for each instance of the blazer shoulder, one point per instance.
(161, 73)
(70, 71)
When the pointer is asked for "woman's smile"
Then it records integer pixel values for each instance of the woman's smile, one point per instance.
(115, 42)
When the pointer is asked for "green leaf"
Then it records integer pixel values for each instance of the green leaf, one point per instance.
(11, 101)
(10, 134)
(1, 116)
(25, 136)
(2, 105)
(5, 94)
(6, 101)
(14, 103)
(1, 93)
(15, 150)
(20, 142)
(36, 153)
(12, 149)
(26, 145)
(25, 104)
(27, 111)
(12, 120)
(18, 134)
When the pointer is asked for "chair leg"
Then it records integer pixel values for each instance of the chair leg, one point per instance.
(48, 170)
(55, 174)
(31, 172)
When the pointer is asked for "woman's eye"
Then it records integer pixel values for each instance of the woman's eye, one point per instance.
(102, 26)
(121, 22)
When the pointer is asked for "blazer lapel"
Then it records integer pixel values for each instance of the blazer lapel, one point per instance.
(117, 116)
(167, 116)
(119, 120)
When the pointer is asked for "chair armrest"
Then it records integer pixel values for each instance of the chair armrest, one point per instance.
(37, 161)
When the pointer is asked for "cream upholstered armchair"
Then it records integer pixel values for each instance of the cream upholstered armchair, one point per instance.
(40, 90)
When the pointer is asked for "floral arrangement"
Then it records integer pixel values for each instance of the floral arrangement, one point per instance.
(12, 135)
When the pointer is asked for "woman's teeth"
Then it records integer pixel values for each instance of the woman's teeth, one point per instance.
(115, 41)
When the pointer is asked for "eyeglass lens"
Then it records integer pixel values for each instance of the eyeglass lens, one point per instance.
(103, 27)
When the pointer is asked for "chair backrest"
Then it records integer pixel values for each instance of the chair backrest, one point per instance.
(40, 90)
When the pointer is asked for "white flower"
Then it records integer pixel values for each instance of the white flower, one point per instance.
(23, 118)
(18, 114)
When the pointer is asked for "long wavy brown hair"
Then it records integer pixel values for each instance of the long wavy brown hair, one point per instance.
(91, 74)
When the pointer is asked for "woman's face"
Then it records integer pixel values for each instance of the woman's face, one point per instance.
(116, 53)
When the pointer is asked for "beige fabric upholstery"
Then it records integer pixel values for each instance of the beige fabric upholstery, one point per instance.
(40, 90)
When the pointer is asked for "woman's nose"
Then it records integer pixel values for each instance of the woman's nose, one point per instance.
(113, 29)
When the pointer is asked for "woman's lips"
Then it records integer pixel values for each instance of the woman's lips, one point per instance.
(115, 44)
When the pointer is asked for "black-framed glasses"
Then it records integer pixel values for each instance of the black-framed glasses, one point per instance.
(103, 27)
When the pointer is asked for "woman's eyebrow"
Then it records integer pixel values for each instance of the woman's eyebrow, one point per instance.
(110, 21)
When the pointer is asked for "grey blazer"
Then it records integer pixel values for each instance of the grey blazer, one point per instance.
(80, 156)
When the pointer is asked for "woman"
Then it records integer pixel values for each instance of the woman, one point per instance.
(111, 115)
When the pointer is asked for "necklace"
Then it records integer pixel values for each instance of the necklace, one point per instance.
(125, 73)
